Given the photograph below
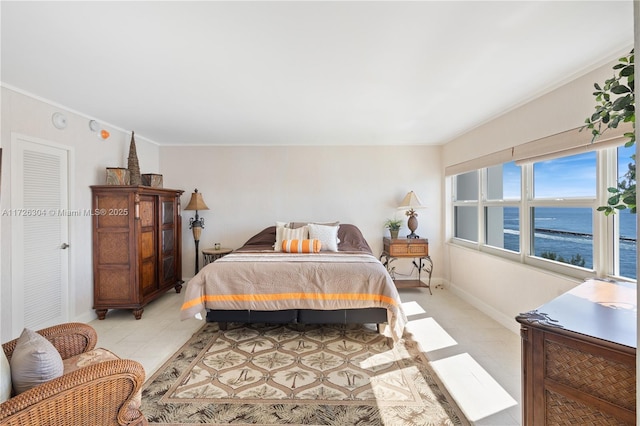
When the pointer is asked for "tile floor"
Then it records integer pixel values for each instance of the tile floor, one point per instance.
(477, 358)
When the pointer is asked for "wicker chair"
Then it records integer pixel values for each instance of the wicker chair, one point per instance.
(99, 394)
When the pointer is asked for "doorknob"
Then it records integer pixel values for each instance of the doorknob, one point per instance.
(64, 246)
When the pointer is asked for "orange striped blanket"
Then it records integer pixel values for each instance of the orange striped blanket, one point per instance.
(269, 281)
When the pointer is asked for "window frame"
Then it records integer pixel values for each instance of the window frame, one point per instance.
(465, 203)
(487, 202)
(606, 234)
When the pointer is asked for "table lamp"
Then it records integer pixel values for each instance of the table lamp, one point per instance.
(196, 224)
(411, 202)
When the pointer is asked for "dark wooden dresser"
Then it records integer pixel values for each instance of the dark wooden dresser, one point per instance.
(137, 246)
(579, 357)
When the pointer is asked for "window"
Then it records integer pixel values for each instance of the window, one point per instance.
(544, 213)
(499, 207)
(627, 245)
(512, 228)
(501, 211)
(561, 209)
(563, 234)
(466, 208)
(502, 227)
(625, 253)
(466, 220)
(566, 177)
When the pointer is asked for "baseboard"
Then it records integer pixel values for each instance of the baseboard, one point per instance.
(86, 317)
(506, 321)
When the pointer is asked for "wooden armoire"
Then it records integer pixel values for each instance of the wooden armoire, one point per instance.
(137, 246)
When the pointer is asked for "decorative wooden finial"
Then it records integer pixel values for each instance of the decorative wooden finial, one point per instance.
(133, 165)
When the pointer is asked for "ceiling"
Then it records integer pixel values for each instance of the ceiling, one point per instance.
(303, 73)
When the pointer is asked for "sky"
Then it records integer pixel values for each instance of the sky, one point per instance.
(573, 176)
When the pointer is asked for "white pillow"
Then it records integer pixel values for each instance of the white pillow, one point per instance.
(34, 361)
(285, 232)
(5, 378)
(279, 227)
(328, 236)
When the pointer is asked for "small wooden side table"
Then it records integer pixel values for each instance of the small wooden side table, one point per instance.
(209, 255)
(416, 248)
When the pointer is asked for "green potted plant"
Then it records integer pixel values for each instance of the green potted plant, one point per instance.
(393, 225)
(615, 103)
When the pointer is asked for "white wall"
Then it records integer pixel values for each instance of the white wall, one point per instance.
(29, 116)
(497, 286)
(249, 188)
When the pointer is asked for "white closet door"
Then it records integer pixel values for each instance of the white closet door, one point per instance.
(40, 233)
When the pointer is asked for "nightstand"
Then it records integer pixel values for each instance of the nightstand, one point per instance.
(416, 248)
(209, 255)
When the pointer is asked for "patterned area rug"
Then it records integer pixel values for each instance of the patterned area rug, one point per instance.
(300, 375)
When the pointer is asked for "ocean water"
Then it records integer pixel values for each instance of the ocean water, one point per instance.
(568, 232)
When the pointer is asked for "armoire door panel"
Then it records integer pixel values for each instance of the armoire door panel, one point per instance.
(148, 279)
(168, 241)
(114, 285)
(168, 269)
(148, 245)
(114, 248)
(112, 211)
(147, 212)
(168, 211)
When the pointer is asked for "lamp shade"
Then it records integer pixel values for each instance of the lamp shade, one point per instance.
(196, 202)
(410, 201)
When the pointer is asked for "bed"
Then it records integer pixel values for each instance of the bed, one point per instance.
(256, 283)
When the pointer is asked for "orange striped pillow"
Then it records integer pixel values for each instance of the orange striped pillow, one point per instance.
(301, 246)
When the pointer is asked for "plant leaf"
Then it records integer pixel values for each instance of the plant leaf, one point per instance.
(627, 71)
(620, 89)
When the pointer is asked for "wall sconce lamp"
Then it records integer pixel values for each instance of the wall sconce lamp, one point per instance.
(411, 202)
(196, 224)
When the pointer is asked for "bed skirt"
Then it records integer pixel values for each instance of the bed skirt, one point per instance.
(300, 316)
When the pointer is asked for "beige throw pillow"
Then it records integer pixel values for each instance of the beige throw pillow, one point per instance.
(5, 378)
(284, 232)
(34, 361)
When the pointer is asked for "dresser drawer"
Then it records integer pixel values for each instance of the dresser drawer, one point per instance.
(402, 247)
(417, 250)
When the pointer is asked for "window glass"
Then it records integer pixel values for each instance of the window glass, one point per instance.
(572, 176)
(502, 227)
(503, 182)
(466, 222)
(627, 256)
(563, 234)
(628, 244)
(467, 186)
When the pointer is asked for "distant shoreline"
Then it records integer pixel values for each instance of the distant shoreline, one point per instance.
(577, 234)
